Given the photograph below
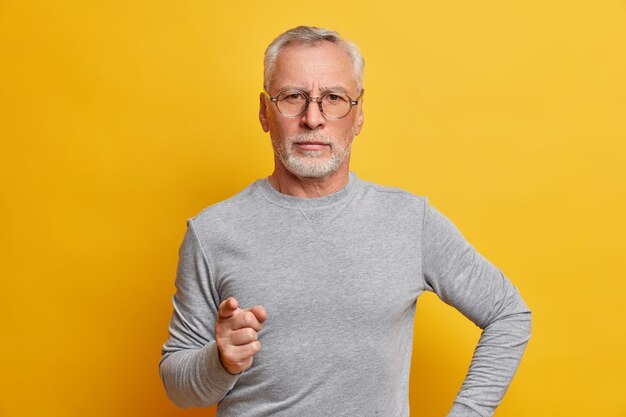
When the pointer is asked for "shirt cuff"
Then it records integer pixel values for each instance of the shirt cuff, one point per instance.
(214, 373)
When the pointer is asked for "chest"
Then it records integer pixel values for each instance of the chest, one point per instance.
(319, 266)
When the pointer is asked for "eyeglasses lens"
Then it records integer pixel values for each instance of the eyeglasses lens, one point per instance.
(295, 103)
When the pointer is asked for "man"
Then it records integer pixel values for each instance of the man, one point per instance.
(296, 297)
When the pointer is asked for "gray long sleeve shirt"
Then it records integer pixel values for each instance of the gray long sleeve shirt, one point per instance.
(339, 277)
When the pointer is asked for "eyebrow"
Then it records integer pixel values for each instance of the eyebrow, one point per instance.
(334, 89)
(323, 90)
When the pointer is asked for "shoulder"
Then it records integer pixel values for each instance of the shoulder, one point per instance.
(392, 196)
(237, 208)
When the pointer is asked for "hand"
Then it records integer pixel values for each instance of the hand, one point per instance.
(236, 333)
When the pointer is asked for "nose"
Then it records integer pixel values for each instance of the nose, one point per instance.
(313, 118)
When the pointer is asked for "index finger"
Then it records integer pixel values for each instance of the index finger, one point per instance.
(259, 312)
(228, 307)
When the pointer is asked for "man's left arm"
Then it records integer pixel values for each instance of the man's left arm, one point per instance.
(463, 278)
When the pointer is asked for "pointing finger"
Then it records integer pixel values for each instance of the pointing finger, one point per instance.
(228, 307)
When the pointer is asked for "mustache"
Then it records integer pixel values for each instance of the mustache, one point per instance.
(310, 137)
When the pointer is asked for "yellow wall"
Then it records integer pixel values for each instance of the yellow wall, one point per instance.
(120, 119)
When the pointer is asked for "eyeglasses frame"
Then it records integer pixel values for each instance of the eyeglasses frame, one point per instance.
(318, 100)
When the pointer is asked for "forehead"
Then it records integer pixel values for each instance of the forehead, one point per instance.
(313, 66)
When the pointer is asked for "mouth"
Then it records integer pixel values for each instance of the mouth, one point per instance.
(311, 145)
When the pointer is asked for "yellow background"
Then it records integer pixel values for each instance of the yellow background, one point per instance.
(120, 119)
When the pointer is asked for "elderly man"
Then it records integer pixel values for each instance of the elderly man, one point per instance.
(296, 297)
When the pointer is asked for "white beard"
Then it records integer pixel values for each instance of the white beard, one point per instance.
(309, 164)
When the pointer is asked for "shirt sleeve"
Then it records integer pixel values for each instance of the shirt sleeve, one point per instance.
(190, 368)
(464, 279)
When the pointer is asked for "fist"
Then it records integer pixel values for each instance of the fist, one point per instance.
(236, 334)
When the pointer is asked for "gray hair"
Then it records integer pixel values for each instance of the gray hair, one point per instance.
(312, 36)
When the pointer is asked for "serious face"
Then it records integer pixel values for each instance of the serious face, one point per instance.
(312, 145)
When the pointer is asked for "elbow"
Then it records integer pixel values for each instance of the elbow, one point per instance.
(511, 327)
(529, 321)
(182, 394)
(184, 402)
(178, 400)
(525, 316)
(520, 325)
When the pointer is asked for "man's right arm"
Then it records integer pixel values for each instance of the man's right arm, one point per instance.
(190, 367)
(209, 343)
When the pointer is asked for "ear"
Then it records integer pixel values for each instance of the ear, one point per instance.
(263, 113)
(358, 123)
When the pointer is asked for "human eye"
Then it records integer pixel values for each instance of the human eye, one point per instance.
(293, 96)
(334, 98)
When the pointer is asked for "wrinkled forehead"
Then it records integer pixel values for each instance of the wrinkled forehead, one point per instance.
(313, 66)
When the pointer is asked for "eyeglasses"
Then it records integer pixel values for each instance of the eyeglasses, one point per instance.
(293, 103)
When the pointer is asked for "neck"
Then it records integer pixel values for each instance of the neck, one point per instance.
(285, 182)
